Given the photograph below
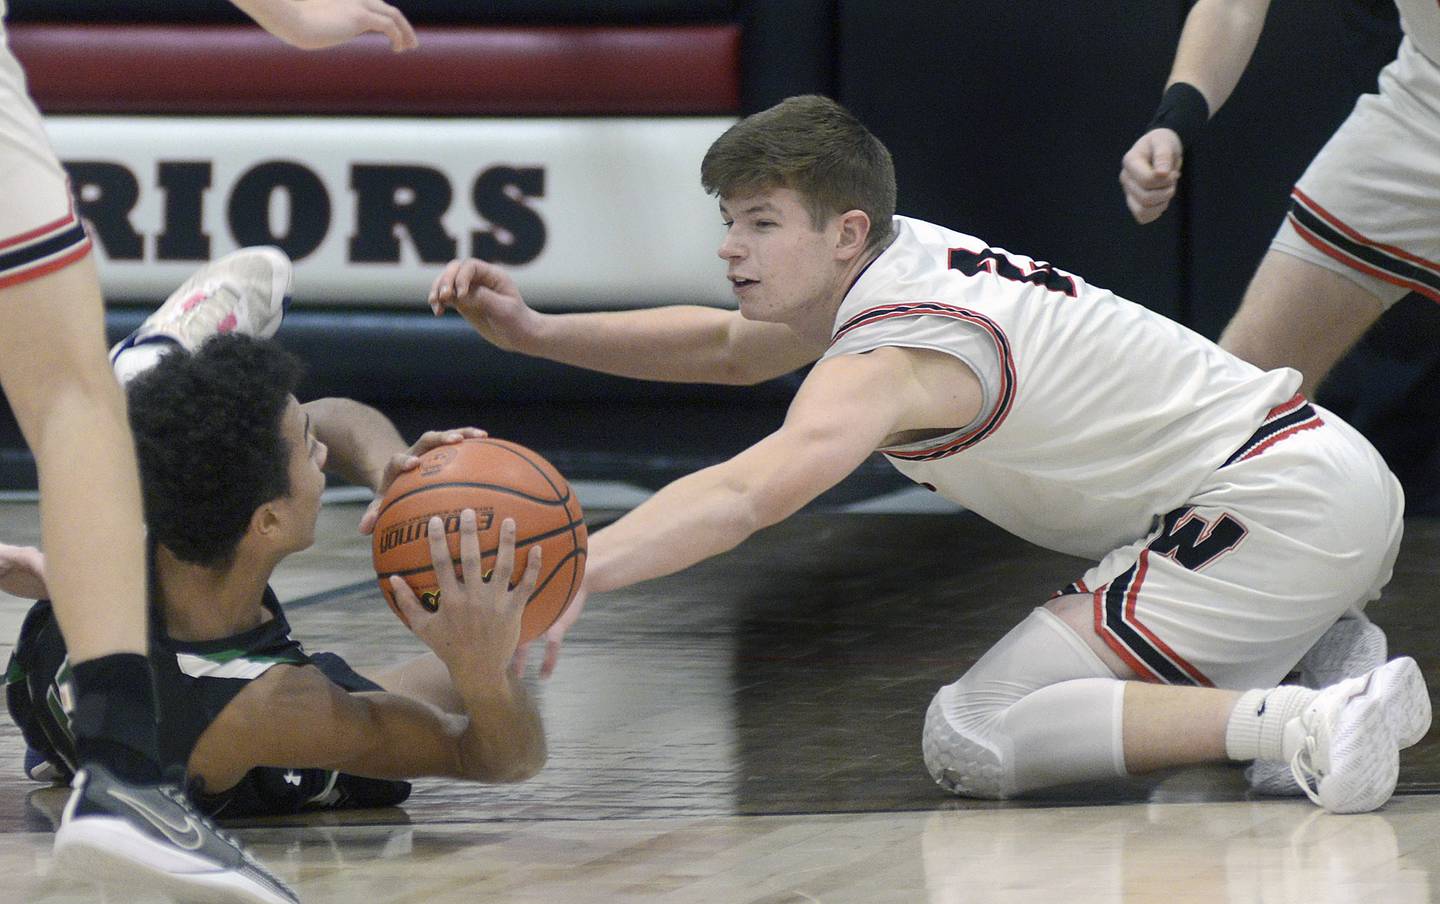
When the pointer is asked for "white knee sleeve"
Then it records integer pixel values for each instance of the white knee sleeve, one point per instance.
(1039, 709)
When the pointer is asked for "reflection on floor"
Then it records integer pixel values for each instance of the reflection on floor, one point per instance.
(748, 732)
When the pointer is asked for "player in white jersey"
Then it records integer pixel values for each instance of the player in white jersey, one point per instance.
(1363, 228)
(1233, 522)
(122, 822)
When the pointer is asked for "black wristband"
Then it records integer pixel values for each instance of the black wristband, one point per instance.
(1183, 109)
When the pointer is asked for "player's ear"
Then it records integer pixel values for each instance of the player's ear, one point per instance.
(854, 232)
(266, 522)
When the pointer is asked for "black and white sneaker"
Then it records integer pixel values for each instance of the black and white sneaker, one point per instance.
(134, 836)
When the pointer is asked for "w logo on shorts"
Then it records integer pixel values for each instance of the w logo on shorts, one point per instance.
(1191, 541)
(1194, 542)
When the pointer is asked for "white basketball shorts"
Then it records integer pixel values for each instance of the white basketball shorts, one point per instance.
(1230, 590)
(1368, 207)
(39, 231)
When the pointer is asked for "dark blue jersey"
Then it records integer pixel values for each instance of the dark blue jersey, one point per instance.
(195, 681)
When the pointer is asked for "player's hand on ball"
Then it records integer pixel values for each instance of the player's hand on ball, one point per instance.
(1150, 172)
(488, 298)
(476, 627)
(408, 460)
(22, 572)
(317, 24)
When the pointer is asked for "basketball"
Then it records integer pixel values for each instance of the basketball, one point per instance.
(499, 480)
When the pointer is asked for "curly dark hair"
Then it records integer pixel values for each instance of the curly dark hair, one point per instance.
(208, 436)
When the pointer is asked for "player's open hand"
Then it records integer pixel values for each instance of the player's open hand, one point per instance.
(488, 298)
(317, 24)
(1150, 172)
(22, 571)
(408, 460)
(476, 626)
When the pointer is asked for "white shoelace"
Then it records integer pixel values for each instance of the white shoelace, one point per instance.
(1302, 766)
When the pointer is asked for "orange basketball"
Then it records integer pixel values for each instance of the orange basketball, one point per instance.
(499, 480)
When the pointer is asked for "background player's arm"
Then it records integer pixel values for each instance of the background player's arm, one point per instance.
(365, 448)
(317, 24)
(678, 343)
(846, 409)
(296, 717)
(1216, 44)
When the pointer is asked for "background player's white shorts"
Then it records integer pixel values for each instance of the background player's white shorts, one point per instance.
(1368, 207)
(1231, 590)
(39, 232)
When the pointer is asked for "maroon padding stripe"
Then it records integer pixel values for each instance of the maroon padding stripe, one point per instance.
(563, 70)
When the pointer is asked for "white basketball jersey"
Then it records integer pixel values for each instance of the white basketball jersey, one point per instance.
(1099, 414)
(1421, 21)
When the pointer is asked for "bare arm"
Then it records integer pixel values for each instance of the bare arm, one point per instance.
(846, 409)
(678, 343)
(366, 449)
(1215, 47)
(317, 24)
(296, 717)
(361, 440)
(423, 678)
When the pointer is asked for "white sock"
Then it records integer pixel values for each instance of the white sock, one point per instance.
(137, 359)
(1256, 730)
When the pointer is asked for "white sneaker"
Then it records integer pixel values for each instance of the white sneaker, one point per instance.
(1347, 742)
(246, 292)
(1351, 647)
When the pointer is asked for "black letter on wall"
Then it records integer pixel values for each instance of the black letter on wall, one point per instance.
(499, 196)
(112, 191)
(309, 208)
(380, 214)
(184, 238)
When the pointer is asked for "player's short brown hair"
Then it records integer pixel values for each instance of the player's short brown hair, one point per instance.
(814, 147)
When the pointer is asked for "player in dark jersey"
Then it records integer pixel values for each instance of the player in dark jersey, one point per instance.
(231, 471)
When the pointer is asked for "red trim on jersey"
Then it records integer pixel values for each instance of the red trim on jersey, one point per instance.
(1355, 263)
(1284, 434)
(15, 278)
(1298, 400)
(1155, 641)
(1337, 254)
(1006, 401)
(1335, 221)
(1160, 646)
(57, 226)
(1114, 642)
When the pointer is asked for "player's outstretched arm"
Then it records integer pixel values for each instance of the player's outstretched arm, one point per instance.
(845, 410)
(1215, 47)
(296, 717)
(675, 343)
(317, 24)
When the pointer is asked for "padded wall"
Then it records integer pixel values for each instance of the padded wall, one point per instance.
(1008, 120)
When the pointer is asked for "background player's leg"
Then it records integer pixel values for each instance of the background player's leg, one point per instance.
(53, 367)
(1297, 314)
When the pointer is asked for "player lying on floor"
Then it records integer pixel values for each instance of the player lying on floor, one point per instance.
(1231, 522)
(231, 470)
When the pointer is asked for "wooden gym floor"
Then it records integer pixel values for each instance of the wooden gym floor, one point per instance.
(749, 732)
